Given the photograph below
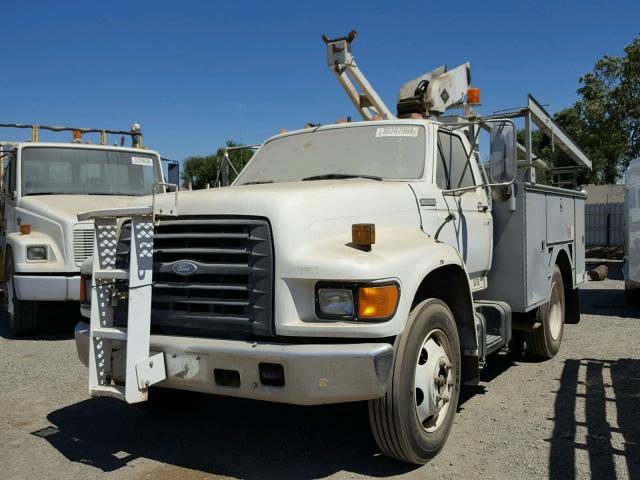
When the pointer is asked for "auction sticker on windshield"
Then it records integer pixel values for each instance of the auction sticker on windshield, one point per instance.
(405, 131)
(147, 162)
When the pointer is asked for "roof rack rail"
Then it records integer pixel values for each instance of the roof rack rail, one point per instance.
(135, 133)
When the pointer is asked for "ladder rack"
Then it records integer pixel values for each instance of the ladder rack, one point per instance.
(135, 133)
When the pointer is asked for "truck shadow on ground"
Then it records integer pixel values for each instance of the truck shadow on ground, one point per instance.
(56, 321)
(226, 436)
(593, 389)
(223, 436)
(607, 301)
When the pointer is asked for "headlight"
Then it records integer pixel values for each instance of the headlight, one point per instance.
(368, 302)
(38, 253)
(335, 302)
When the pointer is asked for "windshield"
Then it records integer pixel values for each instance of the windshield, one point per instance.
(385, 151)
(85, 171)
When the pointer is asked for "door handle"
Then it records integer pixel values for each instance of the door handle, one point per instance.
(482, 207)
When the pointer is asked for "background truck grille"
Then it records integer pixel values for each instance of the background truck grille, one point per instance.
(230, 294)
(82, 242)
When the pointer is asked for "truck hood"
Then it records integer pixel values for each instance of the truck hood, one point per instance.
(65, 208)
(306, 210)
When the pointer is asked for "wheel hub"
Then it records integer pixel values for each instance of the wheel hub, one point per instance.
(434, 380)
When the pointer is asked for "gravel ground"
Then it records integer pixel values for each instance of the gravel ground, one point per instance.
(576, 416)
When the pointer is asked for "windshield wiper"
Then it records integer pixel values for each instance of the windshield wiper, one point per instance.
(257, 182)
(44, 193)
(337, 176)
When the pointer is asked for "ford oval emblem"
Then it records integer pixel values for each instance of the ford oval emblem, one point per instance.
(184, 268)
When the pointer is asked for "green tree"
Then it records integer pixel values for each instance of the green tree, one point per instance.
(203, 170)
(605, 121)
(609, 111)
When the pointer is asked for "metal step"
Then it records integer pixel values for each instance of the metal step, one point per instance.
(494, 343)
(111, 333)
(107, 391)
(111, 274)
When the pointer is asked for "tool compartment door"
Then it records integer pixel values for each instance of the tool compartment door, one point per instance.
(537, 257)
(560, 219)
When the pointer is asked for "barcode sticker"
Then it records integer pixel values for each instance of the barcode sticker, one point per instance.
(404, 131)
(147, 162)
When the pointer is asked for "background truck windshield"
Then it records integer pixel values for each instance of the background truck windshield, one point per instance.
(80, 171)
(387, 151)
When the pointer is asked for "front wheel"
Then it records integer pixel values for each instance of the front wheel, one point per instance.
(23, 315)
(412, 421)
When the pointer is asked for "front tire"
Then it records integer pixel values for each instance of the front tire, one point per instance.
(23, 315)
(412, 421)
(544, 341)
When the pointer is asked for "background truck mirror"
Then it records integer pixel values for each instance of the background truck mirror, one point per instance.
(503, 152)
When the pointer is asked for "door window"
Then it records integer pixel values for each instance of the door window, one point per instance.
(453, 169)
(9, 176)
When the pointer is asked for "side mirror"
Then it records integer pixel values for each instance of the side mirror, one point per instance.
(503, 152)
(173, 171)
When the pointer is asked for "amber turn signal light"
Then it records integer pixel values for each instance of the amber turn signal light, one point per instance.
(473, 96)
(363, 234)
(25, 229)
(83, 291)
(377, 302)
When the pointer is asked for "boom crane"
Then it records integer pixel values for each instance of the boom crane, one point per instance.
(343, 65)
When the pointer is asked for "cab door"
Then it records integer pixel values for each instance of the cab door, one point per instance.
(471, 229)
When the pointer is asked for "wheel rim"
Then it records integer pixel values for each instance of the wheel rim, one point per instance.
(434, 380)
(555, 311)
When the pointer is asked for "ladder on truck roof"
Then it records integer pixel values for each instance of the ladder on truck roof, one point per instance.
(110, 344)
(135, 133)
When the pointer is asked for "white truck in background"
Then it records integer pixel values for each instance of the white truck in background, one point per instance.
(44, 186)
(631, 264)
(377, 260)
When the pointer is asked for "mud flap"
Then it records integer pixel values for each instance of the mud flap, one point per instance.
(572, 306)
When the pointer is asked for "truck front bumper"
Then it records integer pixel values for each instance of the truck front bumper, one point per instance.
(312, 374)
(47, 287)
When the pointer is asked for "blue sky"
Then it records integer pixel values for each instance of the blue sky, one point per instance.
(194, 74)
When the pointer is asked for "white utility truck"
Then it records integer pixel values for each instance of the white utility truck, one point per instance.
(376, 260)
(631, 265)
(44, 186)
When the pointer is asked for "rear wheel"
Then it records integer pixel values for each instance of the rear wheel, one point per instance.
(23, 315)
(413, 420)
(545, 340)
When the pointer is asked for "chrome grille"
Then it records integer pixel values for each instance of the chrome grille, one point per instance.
(82, 243)
(230, 293)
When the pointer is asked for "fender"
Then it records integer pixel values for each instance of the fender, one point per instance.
(19, 243)
(561, 255)
(406, 255)
(555, 251)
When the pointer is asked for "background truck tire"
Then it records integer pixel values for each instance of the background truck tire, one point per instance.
(429, 342)
(544, 342)
(23, 315)
(632, 296)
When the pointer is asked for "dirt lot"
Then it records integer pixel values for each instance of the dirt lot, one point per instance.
(576, 416)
